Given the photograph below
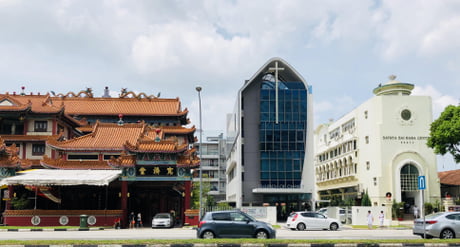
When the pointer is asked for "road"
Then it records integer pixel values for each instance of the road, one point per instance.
(185, 233)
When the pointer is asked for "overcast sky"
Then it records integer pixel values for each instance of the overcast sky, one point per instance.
(343, 48)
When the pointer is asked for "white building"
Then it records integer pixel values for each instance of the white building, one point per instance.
(380, 147)
(270, 135)
(212, 151)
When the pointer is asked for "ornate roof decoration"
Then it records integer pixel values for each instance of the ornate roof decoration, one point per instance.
(88, 93)
(84, 103)
(125, 94)
(9, 157)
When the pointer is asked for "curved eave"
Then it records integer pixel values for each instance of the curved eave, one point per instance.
(289, 73)
(162, 148)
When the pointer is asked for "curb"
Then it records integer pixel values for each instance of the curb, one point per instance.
(254, 245)
(51, 229)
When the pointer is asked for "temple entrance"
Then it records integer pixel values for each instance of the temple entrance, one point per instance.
(150, 198)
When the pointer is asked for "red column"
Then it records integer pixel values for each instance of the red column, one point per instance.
(188, 190)
(11, 194)
(124, 203)
(187, 199)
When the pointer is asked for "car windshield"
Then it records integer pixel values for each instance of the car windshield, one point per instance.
(249, 216)
(161, 216)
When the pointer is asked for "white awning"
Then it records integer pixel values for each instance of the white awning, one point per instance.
(47, 177)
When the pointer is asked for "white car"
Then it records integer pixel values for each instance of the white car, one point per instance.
(311, 221)
(162, 220)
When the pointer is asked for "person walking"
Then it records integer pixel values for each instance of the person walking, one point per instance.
(415, 212)
(139, 220)
(131, 219)
(370, 219)
(381, 219)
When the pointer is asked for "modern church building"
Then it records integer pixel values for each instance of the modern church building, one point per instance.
(379, 147)
(270, 133)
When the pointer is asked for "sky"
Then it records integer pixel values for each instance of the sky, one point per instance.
(343, 48)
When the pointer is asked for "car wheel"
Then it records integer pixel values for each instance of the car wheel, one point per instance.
(446, 234)
(334, 227)
(207, 235)
(261, 234)
(301, 227)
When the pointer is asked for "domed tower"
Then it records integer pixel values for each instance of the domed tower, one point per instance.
(394, 87)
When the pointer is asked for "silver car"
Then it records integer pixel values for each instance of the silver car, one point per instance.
(163, 220)
(311, 221)
(439, 225)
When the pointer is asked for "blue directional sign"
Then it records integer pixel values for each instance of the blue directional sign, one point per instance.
(421, 182)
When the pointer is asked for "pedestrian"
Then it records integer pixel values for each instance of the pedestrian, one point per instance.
(415, 212)
(131, 219)
(370, 219)
(116, 223)
(139, 220)
(381, 218)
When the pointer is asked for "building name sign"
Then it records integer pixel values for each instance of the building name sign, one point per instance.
(405, 138)
(155, 171)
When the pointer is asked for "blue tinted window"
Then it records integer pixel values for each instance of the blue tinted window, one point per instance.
(282, 143)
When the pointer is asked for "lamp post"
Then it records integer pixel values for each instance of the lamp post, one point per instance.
(198, 89)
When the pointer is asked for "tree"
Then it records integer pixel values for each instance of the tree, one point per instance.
(366, 201)
(445, 133)
(206, 186)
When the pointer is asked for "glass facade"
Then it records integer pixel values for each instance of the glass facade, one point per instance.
(282, 144)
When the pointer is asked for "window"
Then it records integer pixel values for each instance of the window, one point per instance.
(409, 178)
(83, 157)
(38, 149)
(41, 126)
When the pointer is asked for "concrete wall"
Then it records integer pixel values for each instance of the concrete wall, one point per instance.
(267, 214)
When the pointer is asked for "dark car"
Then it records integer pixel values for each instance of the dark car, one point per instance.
(233, 224)
(438, 225)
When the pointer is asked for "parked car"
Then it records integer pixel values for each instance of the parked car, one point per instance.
(162, 220)
(311, 221)
(233, 224)
(439, 225)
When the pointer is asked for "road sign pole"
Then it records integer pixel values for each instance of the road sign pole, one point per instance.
(422, 187)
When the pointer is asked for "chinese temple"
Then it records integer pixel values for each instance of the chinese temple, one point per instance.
(63, 156)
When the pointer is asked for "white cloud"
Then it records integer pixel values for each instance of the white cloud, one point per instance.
(420, 28)
(439, 100)
(214, 109)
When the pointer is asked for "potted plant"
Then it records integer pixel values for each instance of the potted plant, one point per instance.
(398, 210)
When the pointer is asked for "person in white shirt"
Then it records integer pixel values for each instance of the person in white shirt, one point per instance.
(370, 219)
(381, 218)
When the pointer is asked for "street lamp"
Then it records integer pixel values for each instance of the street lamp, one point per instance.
(198, 89)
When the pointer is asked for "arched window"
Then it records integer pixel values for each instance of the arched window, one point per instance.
(409, 178)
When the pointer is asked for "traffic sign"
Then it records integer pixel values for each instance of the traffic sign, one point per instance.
(421, 182)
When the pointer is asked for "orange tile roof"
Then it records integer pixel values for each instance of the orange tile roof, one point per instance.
(28, 137)
(66, 164)
(124, 160)
(94, 106)
(450, 177)
(105, 136)
(156, 147)
(34, 103)
(178, 130)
